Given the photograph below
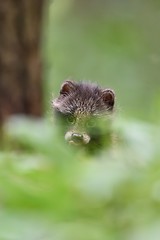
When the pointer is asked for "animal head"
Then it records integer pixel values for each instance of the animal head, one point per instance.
(85, 110)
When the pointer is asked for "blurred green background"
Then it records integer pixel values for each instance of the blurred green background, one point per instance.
(52, 192)
(114, 43)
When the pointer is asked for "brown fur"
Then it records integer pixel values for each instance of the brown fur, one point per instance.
(80, 105)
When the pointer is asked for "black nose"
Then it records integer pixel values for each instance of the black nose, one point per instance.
(77, 138)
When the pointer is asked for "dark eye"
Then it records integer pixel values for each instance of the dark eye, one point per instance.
(71, 119)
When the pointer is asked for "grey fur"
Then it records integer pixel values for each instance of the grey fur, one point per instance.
(85, 98)
(84, 101)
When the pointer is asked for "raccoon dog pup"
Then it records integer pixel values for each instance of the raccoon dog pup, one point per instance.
(84, 112)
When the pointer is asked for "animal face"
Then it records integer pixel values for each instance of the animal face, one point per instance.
(84, 111)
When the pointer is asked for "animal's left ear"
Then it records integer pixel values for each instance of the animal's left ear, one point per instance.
(108, 97)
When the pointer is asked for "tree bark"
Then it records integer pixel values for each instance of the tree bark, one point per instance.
(20, 57)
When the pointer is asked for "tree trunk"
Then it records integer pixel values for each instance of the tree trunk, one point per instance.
(20, 57)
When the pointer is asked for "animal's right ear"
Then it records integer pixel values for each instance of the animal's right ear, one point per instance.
(67, 87)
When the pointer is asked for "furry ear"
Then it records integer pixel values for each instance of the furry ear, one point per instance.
(108, 97)
(67, 87)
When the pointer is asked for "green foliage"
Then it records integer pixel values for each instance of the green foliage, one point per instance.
(49, 190)
(54, 190)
